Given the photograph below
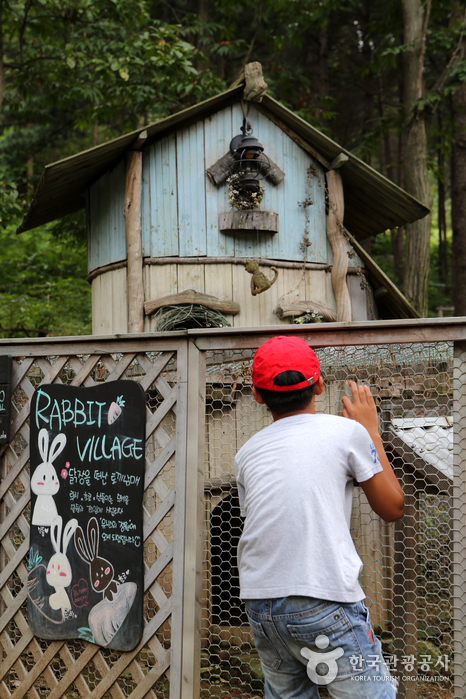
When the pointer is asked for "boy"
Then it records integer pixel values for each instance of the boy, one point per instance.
(297, 562)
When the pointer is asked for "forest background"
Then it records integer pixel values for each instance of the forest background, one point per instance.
(386, 79)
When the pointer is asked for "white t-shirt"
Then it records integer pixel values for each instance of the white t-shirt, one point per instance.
(295, 486)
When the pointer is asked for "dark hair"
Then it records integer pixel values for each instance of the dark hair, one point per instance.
(287, 401)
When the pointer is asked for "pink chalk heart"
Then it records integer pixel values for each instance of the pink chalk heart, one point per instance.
(64, 473)
(80, 593)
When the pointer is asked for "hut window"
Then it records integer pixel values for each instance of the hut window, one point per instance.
(185, 317)
(226, 525)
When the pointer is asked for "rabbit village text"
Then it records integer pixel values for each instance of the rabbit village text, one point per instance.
(85, 575)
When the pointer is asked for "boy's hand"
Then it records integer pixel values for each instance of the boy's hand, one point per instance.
(382, 490)
(362, 409)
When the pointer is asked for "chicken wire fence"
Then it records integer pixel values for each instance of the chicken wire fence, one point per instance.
(199, 411)
(410, 568)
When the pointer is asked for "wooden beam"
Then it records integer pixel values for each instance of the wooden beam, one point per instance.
(339, 161)
(336, 209)
(132, 214)
(192, 297)
(265, 221)
(299, 308)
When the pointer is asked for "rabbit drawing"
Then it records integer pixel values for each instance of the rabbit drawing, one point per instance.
(59, 569)
(44, 480)
(101, 570)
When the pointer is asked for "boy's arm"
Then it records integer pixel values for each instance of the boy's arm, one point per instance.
(382, 490)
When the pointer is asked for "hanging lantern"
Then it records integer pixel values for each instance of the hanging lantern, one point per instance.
(249, 161)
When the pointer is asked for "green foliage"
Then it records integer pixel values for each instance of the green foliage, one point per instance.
(43, 287)
(73, 68)
(79, 70)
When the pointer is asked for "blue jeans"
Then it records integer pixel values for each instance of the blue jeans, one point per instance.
(304, 643)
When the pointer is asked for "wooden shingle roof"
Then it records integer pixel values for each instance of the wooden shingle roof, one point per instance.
(373, 203)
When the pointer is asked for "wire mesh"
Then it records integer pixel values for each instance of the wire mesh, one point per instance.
(408, 566)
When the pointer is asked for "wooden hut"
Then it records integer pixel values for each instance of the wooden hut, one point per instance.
(165, 231)
(161, 221)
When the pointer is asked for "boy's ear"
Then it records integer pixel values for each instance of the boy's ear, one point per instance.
(257, 396)
(319, 386)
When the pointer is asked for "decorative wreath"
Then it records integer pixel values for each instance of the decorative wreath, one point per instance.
(240, 197)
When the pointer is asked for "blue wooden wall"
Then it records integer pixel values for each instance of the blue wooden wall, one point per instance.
(180, 205)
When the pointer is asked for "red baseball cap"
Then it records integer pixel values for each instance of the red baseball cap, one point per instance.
(284, 353)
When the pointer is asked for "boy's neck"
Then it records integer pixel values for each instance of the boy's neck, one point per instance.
(308, 410)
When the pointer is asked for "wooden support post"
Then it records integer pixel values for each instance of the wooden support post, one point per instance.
(405, 589)
(132, 214)
(458, 519)
(336, 208)
(189, 527)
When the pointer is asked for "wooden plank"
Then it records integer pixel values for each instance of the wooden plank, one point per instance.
(162, 664)
(38, 669)
(126, 658)
(358, 298)
(158, 567)
(15, 470)
(154, 469)
(218, 132)
(11, 518)
(106, 225)
(13, 563)
(191, 180)
(19, 371)
(13, 605)
(405, 585)
(338, 334)
(132, 214)
(74, 669)
(50, 376)
(160, 281)
(189, 297)
(179, 525)
(161, 511)
(102, 668)
(458, 515)
(15, 652)
(153, 370)
(248, 220)
(194, 527)
(111, 285)
(160, 199)
(191, 277)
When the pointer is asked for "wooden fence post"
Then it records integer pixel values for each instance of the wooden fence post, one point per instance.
(458, 519)
(185, 676)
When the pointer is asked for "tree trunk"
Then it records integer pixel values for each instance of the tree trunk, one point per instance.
(2, 68)
(417, 252)
(441, 212)
(458, 201)
(458, 189)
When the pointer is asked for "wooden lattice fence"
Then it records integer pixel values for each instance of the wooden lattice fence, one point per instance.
(36, 668)
(198, 412)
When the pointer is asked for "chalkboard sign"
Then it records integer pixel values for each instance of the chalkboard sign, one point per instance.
(6, 372)
(87, 481)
